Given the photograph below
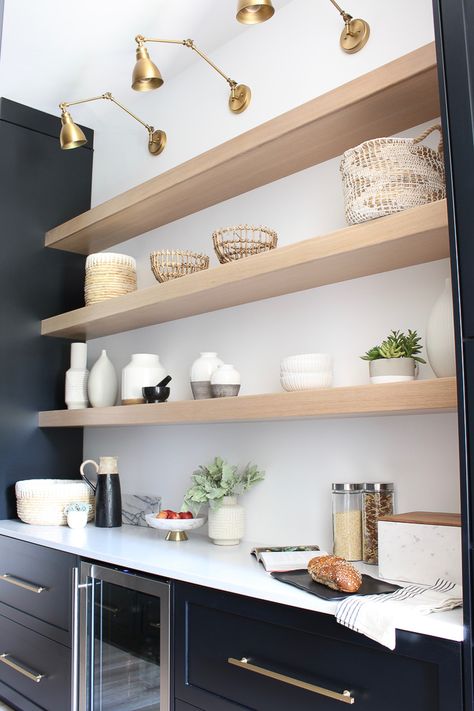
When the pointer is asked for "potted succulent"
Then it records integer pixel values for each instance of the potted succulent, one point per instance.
(218, 485)
(396, 359)
(77, 514)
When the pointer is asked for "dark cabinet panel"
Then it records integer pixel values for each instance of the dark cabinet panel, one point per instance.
(213, 627)
(182, 706)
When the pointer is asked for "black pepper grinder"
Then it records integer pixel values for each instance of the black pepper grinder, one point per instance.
(108, 499)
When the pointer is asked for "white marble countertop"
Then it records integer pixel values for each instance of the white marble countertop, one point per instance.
(201, 562)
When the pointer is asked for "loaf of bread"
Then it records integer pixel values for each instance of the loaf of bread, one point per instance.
(335, 573)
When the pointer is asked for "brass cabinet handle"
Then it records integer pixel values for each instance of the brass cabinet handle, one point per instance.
(244, 663)
(10, 662)
(7, 578)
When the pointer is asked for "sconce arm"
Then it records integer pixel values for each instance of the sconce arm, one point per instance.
(108, 96)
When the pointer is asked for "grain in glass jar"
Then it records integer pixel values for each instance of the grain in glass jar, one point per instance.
(377, 501)
(347, 520)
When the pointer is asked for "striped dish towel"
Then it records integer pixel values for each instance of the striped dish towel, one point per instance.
(377, 616)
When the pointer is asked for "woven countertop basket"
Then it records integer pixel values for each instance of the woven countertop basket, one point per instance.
(41, 502)
(109, 274)
(387, 175)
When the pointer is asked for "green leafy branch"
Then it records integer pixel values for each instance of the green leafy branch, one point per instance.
(397, 345)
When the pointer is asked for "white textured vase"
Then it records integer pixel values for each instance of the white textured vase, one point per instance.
(227, 523)
(440, 335)
(200, 376)
(225, 381)
(143, 371)
(76, 378)
(102, 387)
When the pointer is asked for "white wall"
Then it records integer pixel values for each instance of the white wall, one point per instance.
(287, 61)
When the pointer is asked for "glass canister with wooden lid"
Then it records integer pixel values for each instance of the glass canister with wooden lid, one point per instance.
(347, 520)
(377, 501)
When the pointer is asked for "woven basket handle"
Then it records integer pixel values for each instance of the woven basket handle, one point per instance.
(422, 136)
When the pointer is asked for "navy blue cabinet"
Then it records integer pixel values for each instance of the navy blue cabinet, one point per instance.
(214, 630)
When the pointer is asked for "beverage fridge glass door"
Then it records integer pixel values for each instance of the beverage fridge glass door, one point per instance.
(124, 657)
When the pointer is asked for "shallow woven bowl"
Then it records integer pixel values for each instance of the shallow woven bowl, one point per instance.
(41, 502)
(239, 241)
(171, 264)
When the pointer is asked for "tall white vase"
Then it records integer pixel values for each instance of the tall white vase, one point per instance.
(227, 523)
(102, 387)
(76, 378)
(440, 335)
(143, 370)
(200, 376)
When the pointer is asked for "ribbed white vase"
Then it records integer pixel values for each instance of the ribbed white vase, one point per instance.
(440, 335)
(227, 523)
(75, 394)
(102, 386)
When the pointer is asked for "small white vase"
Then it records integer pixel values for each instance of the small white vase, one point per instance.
(77, 519)
(440, 335)
(200, 376)
(225, 381)
(227, 523)
(76, 378)
(143, 370)
(102, 386)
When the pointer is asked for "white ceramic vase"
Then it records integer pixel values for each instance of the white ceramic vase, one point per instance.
(76, 378)
(440, 335)
(225, 381)
(200, 376)
(143, 370)
(227, 523)
(102, 386)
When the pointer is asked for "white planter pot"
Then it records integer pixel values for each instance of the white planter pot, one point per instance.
(102, 386)
(227, 523)
(392, 370)
(77, 519)
(200, 376)
(440, 335)
(76, 378)
(225, 381)
(143, 370)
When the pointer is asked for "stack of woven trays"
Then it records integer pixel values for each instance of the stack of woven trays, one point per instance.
(41, 502)
(108, 275)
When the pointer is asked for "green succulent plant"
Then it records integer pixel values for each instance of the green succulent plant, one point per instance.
(211, 483)
(397, 345)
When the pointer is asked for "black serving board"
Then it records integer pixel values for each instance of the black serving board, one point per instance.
(302, 579)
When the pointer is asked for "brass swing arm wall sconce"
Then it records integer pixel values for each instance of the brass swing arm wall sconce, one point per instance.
(72, 135)
(354, 36)
(147, 76)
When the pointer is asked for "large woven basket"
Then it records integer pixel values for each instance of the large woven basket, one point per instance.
(42, 501)
(387, 175)
(232, 243)
(108, 275)
(169, 264)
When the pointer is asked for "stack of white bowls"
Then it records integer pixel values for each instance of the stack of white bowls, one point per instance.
(306, 371)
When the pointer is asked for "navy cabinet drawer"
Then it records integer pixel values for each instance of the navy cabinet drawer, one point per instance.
(29, 652)
(36, 567)
(213, 627)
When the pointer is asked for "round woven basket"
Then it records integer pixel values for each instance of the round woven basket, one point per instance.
(108, 275)
(232, 243)
(387, 175)
(169, 264)
(41, 502)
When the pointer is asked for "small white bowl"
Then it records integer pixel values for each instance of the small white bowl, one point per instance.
(306, 363)
(176, 527)
(305, 381)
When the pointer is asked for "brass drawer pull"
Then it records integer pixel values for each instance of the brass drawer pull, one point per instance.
(243, 663)
(7, 578)
(10, 662)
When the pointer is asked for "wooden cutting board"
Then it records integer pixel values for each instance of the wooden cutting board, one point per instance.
(432, 518)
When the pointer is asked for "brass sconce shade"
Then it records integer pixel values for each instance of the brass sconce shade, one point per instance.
(146, 75)
(251, 12)
(71, 135)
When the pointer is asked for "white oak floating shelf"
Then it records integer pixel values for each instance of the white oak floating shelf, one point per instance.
(415, 397)
(404, 239)
(390, 99)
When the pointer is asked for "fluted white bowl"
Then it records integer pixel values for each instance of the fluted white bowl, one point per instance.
(306, 381)
(307, 363)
